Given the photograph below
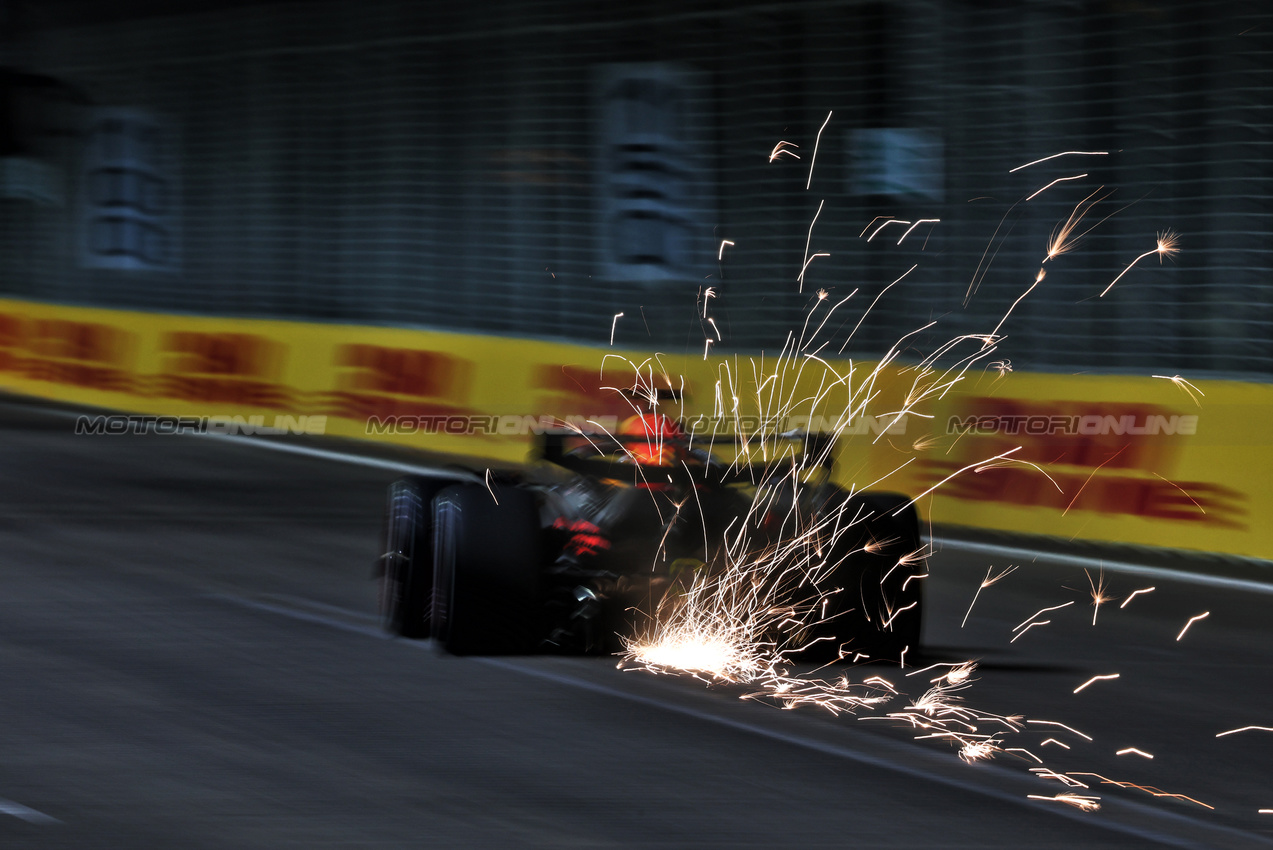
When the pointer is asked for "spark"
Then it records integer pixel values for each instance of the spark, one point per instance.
(973, 751)
(1246, 729)
(817, 141)
(491, 490)
(1181, 489)
(979, 275)
(807, 263)
(1192, 620)
(1166, 247)
(910, 578)
(1062, 726)
(1047, 773)
(1027, 628)
(1098, 592)
(766, 595)
(960, 673)
(1023, 750)
(957, 472)
(986, 582)
(1003, 367)
(1037, 280)
(1265, 812)
(1042, 611)
(1107, 677)
(614, 324)
(809, 239)
(849, 338)
(888, 624)
(779, 150)
(923, 444)
(1188, 388)
(1148, 789)
(1135, 593)
(917, 224)
(1133, 751)
(1053, 183)
(884, 225)
(1078, 801)
(1055, 155)
(868, 227)
(1089, 479)
(1063, 241)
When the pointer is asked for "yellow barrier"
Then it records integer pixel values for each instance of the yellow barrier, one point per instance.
(1128, 459)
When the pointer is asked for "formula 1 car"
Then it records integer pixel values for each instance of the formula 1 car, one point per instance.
(599, 531)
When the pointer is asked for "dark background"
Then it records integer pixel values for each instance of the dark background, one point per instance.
(454, 166)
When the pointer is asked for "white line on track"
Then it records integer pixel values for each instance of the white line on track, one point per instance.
(26, 813)
(1023, 552)
(306, 616)
(1167, 818)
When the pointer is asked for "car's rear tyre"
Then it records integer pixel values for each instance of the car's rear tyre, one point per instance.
(406, 567)
(487, 545)
(877, 606)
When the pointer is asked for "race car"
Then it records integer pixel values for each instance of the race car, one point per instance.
(599, 532)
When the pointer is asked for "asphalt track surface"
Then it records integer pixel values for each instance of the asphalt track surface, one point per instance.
(189, 658)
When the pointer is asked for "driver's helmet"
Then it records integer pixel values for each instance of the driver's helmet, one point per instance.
(657, 430)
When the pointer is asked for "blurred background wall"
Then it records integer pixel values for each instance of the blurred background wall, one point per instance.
(534, 168)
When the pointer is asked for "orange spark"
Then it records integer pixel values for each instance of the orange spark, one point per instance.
(1042, 611)
(1027, 628)
(1095, 679)
(917, 224)
(1053, 183)
(1135, 593)
(1089, 479)
(1246, 729)
(1078, 801)
(1181, 489)
(1055, 155)
(1166, 247)
(1063, 239)
(779, 151)
(1184, 385)
(817, 141)
(1192, 620)
(808, 239)
(1061, 725)
(1098, 592)
(986, 582)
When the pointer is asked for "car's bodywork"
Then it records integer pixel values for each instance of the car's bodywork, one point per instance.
(600, 531)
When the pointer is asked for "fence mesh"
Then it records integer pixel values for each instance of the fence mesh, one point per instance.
(537, 168)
